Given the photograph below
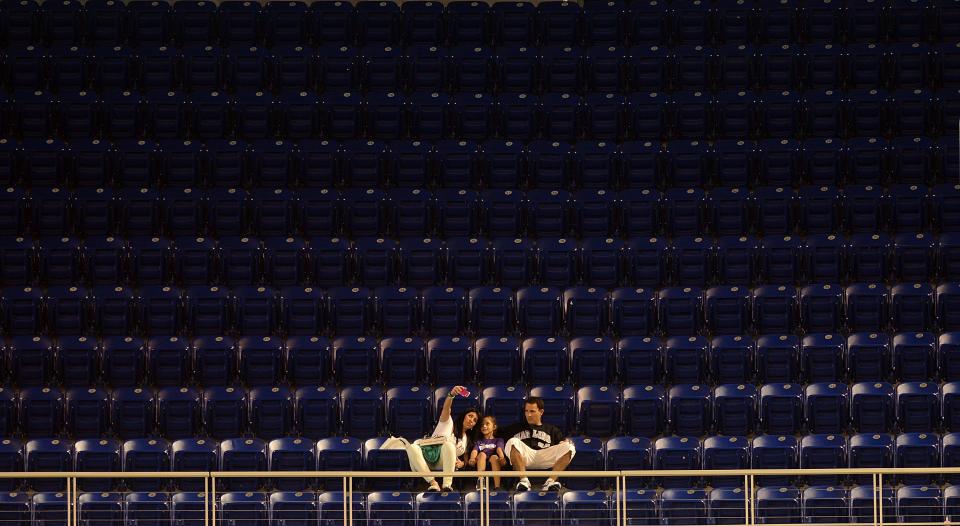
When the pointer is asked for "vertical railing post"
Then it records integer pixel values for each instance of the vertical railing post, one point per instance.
(623, 501)
(69, 499)
(746, 499)
(880, 498)
(74, 500)
(206, 501)
(877, 497)
(350, 501)
(619, 490)
(213, 500)
(346, 509)
(750, 496)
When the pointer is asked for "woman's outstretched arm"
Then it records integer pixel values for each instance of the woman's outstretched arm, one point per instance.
(448, 403)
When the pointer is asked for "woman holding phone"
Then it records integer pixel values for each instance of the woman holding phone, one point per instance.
(449, 446)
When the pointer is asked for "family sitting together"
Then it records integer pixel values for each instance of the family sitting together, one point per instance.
(457, 444)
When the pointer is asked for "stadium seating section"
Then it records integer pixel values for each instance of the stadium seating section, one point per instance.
(710, 234)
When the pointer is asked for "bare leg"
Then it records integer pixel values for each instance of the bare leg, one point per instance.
(481, 465)
(562, 464)
(519, 465)
(495, 467)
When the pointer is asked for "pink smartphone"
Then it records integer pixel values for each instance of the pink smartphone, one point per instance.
(464, 393)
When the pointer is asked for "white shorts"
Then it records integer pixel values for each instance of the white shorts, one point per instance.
(539, 458)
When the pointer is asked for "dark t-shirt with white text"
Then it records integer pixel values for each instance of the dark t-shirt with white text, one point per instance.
(536, 437)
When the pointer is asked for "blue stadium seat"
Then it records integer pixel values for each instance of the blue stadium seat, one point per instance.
(87, 412)
(870, 451)
(557, 262)
(540, 508)
(728, 452)
(471, 68)
(911, 307)
(402, 361)
(331, 261)
(147, 508)
(31, 360)
(946, 250)
(539, 312)
(208, 309)
(949, 454)
(919, 504)
(592, 360)
(870, 261)
(363, 411)
(444, 310)
(317, 411)
(646, 261)
(41, 411)
(599, 411)
(912, 257)
(513, 262)
(917, 406)
(728, 312)
(457, 212)
(546, 360)
(914, 357)
(917, 450)
(47, 454)
(96, 455)
(450, 360)
(397, 310)
(776, 505)
(866, 307)
(644, 410)
(80, 110)
(187, 508)
(122, 361)
(872, 407)
(826, 407)
(67, 310)
(133, 412)
(145, 454)
(285, 261)
(680, 310)
(736, 259)
(730, 207)
(302, 310)
(676, 452)
(59, 260)
(820, 206)
(686, 359)
(727, 505)
(100, 509)
(427, 66)
(559, 402)
(735, 409)
(355, 360)
(350, 310)
(225, 412)
(505, 403)
(294, 507)
(168, 361)
(409, 411)
(775, 309)
(22, 309)
(779, 161)
(585, 311)
(271, 411)
(775, 210)
(255, 310)
(467, 261)
(491, 310)
(640, 360)
(632, 311)
(685, 211)
(775, 452)
(691, 260)
(411, 209)
(604, 23)
(780, 110)
(822, 357)
(594, 215)
(237, 454)
(629, 453)
(498, 360)
(683, 506)
(947, 356)
(691, 409)
(781, 408)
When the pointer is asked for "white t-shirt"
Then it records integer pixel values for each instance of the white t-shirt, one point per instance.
(445, 429)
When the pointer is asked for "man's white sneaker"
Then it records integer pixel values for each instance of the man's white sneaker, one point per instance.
(523, 485)
(552, 485)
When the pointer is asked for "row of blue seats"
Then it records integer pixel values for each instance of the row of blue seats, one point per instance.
(410, 215)
(456, 167)
(602, 68)
(904, 260)
(524, 23)
(604, 411)
(123, 361)
(774, 505)
(864, 451)
(211, 116)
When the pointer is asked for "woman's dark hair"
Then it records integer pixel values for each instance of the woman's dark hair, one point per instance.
(458, 430)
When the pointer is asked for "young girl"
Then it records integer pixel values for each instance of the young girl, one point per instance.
(489, 449)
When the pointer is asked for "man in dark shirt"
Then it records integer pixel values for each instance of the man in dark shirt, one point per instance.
(535, 445)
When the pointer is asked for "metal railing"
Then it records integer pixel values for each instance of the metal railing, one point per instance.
(622, 484)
